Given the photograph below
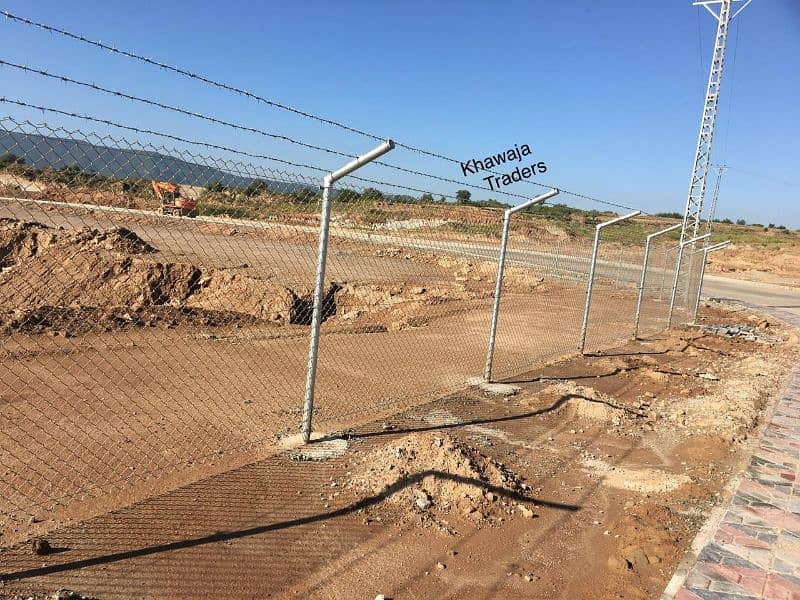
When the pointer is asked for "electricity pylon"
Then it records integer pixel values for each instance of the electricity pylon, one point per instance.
(697, 185)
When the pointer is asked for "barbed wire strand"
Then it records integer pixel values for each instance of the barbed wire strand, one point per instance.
(211, 145)
(281, 106)
(237, 126)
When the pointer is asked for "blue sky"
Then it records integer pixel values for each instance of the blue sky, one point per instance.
(608, 94)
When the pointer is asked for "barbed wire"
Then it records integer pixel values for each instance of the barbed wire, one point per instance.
(286, 107)
(246, 128)
(213, 146)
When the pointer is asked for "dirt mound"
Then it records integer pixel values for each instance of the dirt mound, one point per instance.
(732, 403)
(260, 298)
(50, 269)
(72, 321)
(20, 240)
(584, 402)
(435, 475)
(642, 480)
(53, 275)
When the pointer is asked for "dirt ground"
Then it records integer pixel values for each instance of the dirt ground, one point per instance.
(590, 481)
(152, 372)
(130, 367)
(780, 266)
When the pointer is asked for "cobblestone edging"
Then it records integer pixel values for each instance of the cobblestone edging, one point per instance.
(755, 550)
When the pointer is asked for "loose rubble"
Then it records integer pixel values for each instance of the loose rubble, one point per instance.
(434, 476)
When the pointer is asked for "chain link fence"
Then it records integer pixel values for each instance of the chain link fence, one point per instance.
(155, 306)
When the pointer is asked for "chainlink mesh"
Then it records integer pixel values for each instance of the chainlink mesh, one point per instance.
(148, 341)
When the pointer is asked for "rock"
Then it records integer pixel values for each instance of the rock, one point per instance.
(441, 566)
(422, 500)
(530, 578)
(635, 558)
(525, 511)
(708, 376)
(65, 594)
(40, 546)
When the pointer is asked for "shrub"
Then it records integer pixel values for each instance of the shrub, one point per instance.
(8, 159)
(256, 187)
(372, 195)
(463, 196)
(347, 195)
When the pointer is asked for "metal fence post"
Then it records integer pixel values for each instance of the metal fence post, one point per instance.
(674, 292)
(501, 266)
(319, 287)
(650, 238)
(705, 252)
(598, 228)
(663, 275)
(555, 268)
(618, 275)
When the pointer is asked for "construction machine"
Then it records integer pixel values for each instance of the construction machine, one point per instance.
(172, 201)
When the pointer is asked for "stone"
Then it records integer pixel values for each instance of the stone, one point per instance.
(635, 558)
(525, 511)
(41, 547)
(421, 500)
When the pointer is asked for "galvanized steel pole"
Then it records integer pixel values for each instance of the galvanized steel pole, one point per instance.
(598, 228)
(705, 252)
(501, 266)
(681, 246)
(650, 238)
(319, 286)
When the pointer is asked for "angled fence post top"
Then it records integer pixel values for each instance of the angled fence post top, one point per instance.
(359, 162)
(319, 287)
(597, 229)
(615, 220)
(663, 231)
(715, 247)
(694, 240)
(501, 265)
(532, 202)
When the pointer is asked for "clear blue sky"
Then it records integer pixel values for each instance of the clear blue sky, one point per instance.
(609, 94)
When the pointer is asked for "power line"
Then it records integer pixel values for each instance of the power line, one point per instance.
(286, 107)
(762, 176)
(210, 145)
(730, 93)
(141, 130)
(189, 113)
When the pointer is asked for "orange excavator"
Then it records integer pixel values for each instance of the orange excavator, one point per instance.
(172, 202)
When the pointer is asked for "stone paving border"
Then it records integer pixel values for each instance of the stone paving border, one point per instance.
(755, 550)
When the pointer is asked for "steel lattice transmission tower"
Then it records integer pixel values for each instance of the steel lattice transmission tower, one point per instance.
(697, 185)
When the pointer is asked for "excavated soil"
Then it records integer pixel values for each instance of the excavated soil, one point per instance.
(70, 283)
(433, 479)
(589, 483)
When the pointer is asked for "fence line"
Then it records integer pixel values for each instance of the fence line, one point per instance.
(143, 350)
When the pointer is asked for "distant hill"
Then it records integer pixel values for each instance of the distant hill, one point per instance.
(44, 151)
